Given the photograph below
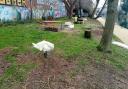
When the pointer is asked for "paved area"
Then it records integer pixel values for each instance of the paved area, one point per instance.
(120, 32)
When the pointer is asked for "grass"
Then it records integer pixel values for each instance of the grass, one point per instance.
(69, 45)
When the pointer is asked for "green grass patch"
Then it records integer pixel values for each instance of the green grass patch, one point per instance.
(69, 45)
(15, 75)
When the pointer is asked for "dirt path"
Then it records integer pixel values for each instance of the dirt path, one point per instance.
(120, 32)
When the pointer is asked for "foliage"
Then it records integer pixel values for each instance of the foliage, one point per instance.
(125, 6)
(123, 17)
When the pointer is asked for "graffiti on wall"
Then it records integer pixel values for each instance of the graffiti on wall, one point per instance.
(13, 13)
(54, 8)
(13, 2)
(43, 8)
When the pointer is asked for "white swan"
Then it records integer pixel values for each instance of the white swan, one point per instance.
(44, 46)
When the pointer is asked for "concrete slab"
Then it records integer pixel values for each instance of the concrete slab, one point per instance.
(120, 32)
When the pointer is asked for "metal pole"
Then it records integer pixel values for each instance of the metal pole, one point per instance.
(80, 7)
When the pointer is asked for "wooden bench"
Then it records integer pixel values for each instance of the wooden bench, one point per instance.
(52, 25)
(51, 22)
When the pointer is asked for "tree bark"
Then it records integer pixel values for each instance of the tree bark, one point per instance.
(70, 4)
(106, 41)
(71, 13)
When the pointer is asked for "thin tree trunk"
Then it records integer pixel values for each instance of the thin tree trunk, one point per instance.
(31, 11)
(70, 4)
(94, 11)
(71, 13)
(101, 10)
(106, 41)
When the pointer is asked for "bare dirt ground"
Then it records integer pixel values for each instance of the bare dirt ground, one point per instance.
(97, 33)
(57, 73)
(101, 76)
(48, 75)
(4, 64)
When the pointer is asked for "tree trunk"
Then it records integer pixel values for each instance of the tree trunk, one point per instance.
(70, 5)
(106, 41)
(71, 13)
